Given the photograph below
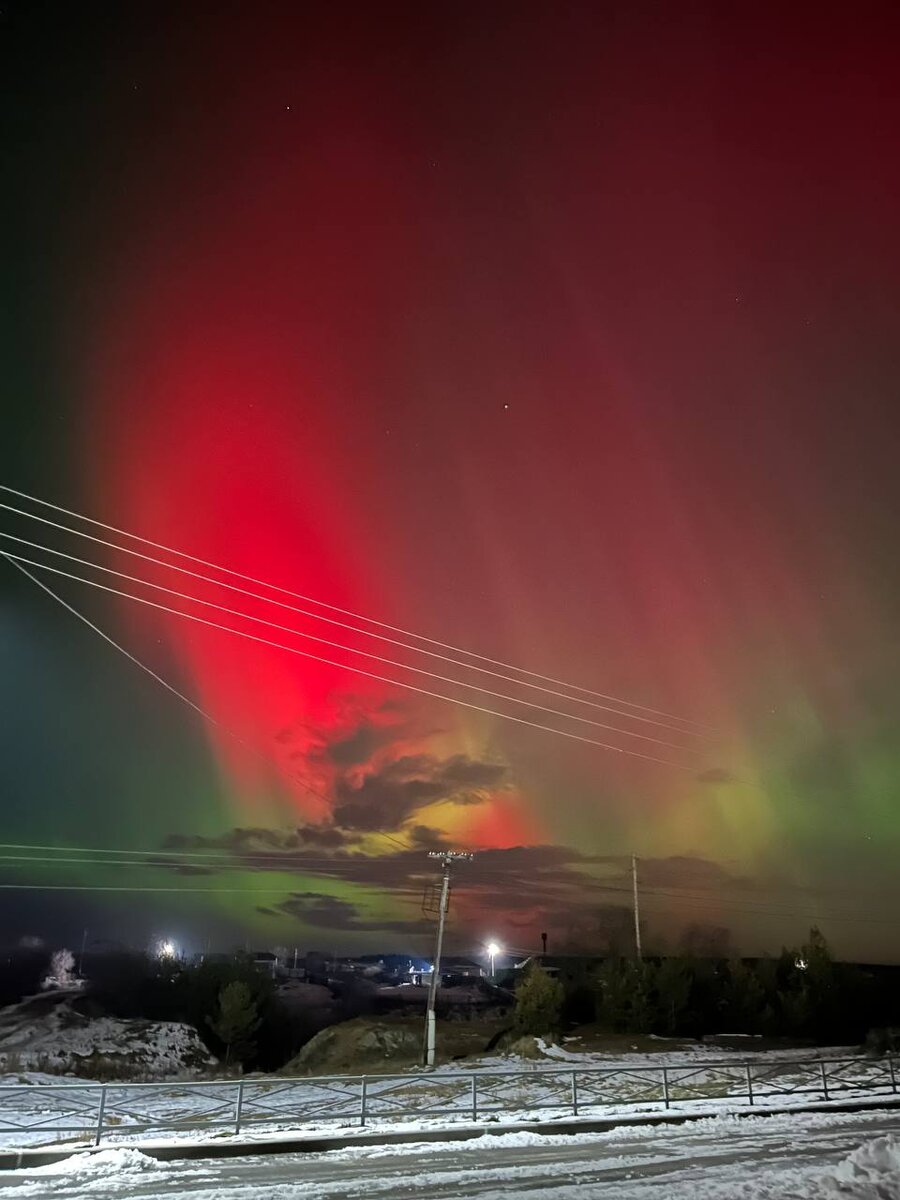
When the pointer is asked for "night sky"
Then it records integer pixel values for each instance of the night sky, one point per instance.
(565, 333)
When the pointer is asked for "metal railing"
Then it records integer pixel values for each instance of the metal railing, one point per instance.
(91, 1111)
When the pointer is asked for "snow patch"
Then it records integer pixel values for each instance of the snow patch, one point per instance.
(48, 1034)
(871, 1171)
(103, 1164)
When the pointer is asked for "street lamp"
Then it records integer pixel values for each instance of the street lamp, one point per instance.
(493, 950)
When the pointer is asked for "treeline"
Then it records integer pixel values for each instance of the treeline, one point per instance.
(802, 994)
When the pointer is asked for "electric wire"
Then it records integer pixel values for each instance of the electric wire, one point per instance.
(555, 712)
(17, 559)
(108, 887)
(335, 608)
(327, 620)
(157, 860)
(207, 716)
(190, 854)
(333, 864)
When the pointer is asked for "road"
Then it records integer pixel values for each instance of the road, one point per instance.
(770, 1158)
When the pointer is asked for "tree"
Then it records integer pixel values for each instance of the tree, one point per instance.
(743, 999)
(61, 975)
(626, 995)
(539, 999)
(673, 988)
(237, 1021)
(613, 988)
(642, 1000)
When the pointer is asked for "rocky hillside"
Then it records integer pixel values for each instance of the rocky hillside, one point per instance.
(49, 1033)
(358, 1045)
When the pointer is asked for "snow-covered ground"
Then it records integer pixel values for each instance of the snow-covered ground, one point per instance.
(811, 1156)
(500, 1093)
(47, 1033)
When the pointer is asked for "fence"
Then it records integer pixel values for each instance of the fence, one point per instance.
(90, 1111)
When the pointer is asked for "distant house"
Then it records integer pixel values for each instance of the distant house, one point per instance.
(265, 960)
(455, 970)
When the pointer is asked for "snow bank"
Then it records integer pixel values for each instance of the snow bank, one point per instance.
(103, 1164)
(871, 1171)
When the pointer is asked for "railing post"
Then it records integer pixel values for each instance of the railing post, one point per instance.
(824, 1077)
(574, 1093)
(893, 1076)
(101, 1108)
(749, 1082)
(474, 1097)
(362, 1102)
(665, 1072)
(238, 1106)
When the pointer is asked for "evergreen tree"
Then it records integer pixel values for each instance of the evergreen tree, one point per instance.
(627, 1000)
(539, 999)
(613, 1000)
(743, 999)
(642, 997)
(237, 1021)
(673, 992)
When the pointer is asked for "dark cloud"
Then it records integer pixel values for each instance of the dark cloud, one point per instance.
(553, 887)
(424, 837)
(330, 912)
(389, 796)
(258, 840)
(716, 775)
(358, 746)
(356, 732)
(470, 772)
(681, 871)
(325, 836)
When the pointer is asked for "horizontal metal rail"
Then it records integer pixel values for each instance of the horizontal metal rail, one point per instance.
(95, 1110)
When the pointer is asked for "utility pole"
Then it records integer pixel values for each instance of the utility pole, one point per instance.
(637, 908)
(448, 858)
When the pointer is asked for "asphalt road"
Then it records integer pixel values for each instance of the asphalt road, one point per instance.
(774, 1157)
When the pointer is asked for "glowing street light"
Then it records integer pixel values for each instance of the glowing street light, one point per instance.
(166, 949)
(493, 950)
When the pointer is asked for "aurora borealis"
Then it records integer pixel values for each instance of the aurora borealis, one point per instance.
(568, 334)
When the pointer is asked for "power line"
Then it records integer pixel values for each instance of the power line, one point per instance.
(229, 856)
(66, 887)
(555, 712)
(346, 667)
(315, 867)
(334, 608)
(319, 617)
(337, 868)
(207, 716)
(104, 887)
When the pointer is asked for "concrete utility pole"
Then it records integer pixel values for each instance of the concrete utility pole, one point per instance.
(448, 858)
(637, 908)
